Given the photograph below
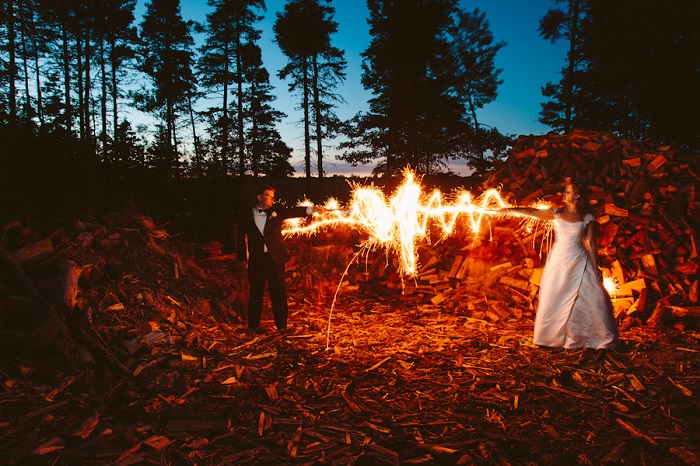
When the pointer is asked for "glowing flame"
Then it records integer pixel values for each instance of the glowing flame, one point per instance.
(610, 284)
(399, 222)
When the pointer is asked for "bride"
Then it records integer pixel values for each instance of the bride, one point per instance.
(574, 309)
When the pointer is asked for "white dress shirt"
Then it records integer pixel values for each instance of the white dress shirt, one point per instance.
(260, 219)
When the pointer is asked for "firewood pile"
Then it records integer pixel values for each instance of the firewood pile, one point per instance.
(646, 199)
(644, 196)
(149, 360)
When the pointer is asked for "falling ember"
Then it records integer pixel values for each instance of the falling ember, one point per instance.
(398, 223)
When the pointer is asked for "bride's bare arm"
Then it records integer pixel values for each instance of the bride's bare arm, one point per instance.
(542, 214)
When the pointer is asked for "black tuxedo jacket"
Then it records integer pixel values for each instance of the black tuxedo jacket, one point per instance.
(247, 229)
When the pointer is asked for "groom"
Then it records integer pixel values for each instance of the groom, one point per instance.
(260, 242)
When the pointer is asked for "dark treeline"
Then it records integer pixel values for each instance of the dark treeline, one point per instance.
(633, 66)
(73, 71)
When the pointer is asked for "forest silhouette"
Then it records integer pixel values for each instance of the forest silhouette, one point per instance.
(68, 71)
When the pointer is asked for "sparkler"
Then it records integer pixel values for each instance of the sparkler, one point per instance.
(398, 223)
(610, 284)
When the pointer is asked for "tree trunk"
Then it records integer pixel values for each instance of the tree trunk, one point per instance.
(12, 66)
(195, 140)
(81, 103)
(317, 113)
(88, 85)
(66, 80)
(307, 131)
(39, 100)
(172, 139)
(255, 154)
(226, 125)
(103, 97)
(477, 133)
(241, 136)
(25, 65)
(568, 81)
(115, 93)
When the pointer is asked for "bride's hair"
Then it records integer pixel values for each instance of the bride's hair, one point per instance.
(583, 194)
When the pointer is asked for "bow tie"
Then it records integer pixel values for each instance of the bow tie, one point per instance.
(265, 211)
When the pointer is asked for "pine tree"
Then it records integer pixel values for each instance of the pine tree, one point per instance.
(476, 84)
(26, 41)
(267, 152)
(116, 42)
(229, 27)
(9, 18)
(414, 118)
(167, 58)
(642, 70)
(60, 19)
(315, 67)
(564, 24)
(630, 69)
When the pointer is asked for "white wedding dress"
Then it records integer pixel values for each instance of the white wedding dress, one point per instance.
(574, 308)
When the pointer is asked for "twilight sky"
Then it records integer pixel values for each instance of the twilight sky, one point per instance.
(528, 63)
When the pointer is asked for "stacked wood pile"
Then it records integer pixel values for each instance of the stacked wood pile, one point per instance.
(644, 196)
(646, 199)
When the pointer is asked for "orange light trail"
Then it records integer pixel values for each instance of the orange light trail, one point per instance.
(398, 223)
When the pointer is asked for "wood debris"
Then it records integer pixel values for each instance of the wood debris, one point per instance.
(440, 369)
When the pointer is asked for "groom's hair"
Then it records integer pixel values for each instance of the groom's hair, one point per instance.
(264, 187)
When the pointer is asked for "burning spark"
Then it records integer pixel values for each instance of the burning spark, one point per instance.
(610, 284)
(399, 222)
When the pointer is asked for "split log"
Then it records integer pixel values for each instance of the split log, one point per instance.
(683, 312)
(43, 334)
(69, 274)
(194, 269)
(660, 311)
(34, 253)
